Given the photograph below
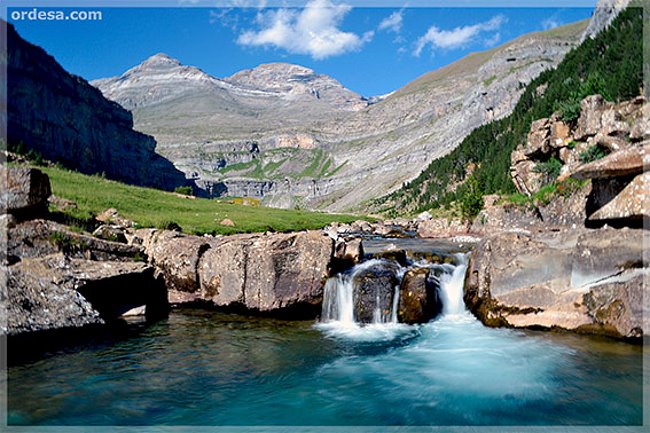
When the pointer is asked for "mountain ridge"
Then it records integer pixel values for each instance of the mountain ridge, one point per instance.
(291, 143)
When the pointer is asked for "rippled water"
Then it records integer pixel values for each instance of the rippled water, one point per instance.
(207, 368)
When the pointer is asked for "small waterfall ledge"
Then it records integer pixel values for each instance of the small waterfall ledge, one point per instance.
(381, 291)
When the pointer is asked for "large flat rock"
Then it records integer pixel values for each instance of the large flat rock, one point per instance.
(56, 292)
(583, 280)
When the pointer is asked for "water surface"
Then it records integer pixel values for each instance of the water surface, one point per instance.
(208, 368)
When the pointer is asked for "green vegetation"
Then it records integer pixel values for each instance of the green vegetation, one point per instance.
(471, 199)
(550, 169)
(185, 190)
(592, 154)
(155, 208)
(66, 243)
(615, 53)
(489, 81)
(547, 193)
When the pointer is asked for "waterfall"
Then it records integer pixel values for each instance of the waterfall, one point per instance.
(338, 302)
(341, 297)
(451, 287)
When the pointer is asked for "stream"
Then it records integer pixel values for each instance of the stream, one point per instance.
(202, 367)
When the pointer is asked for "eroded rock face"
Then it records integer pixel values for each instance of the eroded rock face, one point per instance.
(56, 291)
(26, 191)
(257, 272)
(38, 238)
(631, 203)
(442, 227)
(69, 121)
(625, 162)
(587, 280)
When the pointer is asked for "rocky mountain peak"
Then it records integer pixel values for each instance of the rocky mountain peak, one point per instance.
(161, 60)
(274, 76)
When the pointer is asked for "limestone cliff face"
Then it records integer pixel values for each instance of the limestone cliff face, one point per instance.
(605, 12)
(69, 121)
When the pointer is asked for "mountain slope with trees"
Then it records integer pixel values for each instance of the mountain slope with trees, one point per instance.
(611, 64)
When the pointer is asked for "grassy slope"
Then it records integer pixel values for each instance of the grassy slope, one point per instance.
(154, 208)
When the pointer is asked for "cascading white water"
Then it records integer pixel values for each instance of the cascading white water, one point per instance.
(338, 299)
(338, 296)
(339, 293)
(451, 287)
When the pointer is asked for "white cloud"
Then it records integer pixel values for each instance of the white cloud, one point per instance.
(458, 37)
(392, 23)
(492, 41)
(314, 30)
(550, 23)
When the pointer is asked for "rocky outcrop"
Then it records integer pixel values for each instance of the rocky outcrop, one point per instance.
(607, 145)
(604, 14)
(281, 274)
(38, 238)
(55, 292)
(70, 122)
(25, 191)
(58, 278)
(602, 128)
(582, 280)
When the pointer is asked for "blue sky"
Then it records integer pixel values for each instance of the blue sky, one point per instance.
(370, 50)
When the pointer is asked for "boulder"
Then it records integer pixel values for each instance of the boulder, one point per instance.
(282, 273)
(626, 162)
(581, 280)
(442, 228)
(590, 120)
(267, 272)
(227, 222)
(538, 143)
(631, 203)
(418, 297)
(347, 253)
(112, 217)
(640, 130)
(374, 294)
(176, 257)
(26, 191)
(110, 233)
(55, 292)
(526, 179)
